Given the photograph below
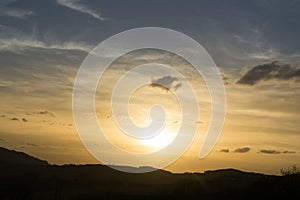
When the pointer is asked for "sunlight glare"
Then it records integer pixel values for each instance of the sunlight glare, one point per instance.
(161, 140)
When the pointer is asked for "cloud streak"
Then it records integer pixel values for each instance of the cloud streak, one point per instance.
(18, 13)
(32, 144)
(51, 114)
(288, 152)
(269, 151)
(242, 150)
(79, 6)
(8, 11)
(21, 44)
(272, 151)
(269, 71)
(224, 150)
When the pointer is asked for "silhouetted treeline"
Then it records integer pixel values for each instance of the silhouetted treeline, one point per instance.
(24, 177)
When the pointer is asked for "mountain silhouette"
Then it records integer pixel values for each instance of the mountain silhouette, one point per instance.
(25, 177)
(11, 157)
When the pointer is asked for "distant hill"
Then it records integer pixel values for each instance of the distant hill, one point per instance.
(11, 157)
(25, 177)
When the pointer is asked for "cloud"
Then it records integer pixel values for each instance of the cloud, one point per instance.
(17, 119)
(20, 44)
(224, 150)
(272, 151)
(166, 83)
(269, 151)
(269, 71)
(225, 78)
(79, 6)
(51, 114)
(32, 144)
(178, 85)
(242, 150)
(6, 10)
(288, 151)
(18, 13)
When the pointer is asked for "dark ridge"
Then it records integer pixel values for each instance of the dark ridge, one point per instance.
(12, 157)
(25, 177)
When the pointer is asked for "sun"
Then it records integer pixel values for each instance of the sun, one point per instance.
(163, 139)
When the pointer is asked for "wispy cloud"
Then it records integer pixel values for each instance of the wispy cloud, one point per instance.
(267, 55)
(19, 44)
(272, 151)
(18, 13)
(32, 144)
(51, 114)
(79, 6)
(288, 151)
(6, 10)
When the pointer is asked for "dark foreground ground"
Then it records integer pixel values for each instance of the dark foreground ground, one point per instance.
(25, 177)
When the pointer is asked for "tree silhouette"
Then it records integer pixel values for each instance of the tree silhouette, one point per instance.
(291, 170)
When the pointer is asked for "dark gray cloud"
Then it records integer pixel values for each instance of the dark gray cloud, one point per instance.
(166, 83)
(242, 150)
(178, 85)
(224, 150)
(269, 71)
(269, 151)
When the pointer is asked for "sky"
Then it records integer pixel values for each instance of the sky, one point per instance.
(255, 45)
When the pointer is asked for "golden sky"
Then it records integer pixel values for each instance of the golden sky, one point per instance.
(259, 134)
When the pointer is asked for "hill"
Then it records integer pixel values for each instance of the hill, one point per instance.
(25, 177)
(11, 157)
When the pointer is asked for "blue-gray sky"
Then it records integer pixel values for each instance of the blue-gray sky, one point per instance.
(235, 33)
